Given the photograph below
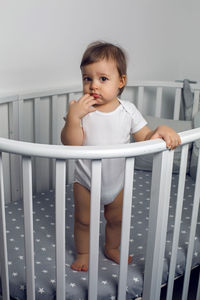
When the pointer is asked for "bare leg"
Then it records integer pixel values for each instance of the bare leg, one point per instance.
(81, 227)
(113, 215)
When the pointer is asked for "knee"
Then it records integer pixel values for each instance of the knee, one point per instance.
(82, 221)
(114, 218)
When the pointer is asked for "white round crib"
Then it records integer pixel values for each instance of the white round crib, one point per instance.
(35, 169)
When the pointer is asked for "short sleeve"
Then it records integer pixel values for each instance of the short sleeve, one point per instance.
(137, 120)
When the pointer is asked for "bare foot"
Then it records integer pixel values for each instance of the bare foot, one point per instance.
(114, 254)
(81, 263)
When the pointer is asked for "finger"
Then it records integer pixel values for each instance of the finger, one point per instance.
(91, 102)
(72, 102)
(175, 143)
(168, 142)
(92, 109)
(85, 97)
(179, 140)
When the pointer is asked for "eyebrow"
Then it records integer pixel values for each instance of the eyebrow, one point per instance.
(100, 74)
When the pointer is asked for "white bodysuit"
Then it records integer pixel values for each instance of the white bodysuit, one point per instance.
(108, 129)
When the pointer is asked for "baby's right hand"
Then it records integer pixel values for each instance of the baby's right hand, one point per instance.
(78, 109)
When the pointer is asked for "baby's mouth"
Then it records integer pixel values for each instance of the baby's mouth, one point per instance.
(95, 95)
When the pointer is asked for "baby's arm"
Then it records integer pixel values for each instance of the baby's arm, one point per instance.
(72, 133)
(170, 136)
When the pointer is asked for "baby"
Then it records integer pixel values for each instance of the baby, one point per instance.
(99, 117)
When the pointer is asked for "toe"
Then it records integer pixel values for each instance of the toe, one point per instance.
(84, 268)
(75, 267)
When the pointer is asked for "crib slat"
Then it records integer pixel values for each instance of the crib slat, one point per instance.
(54, 113)
(54, 135)
(126, 221)
(165, 208)
(37, 120)
(28, 226)
(158, 101)
(21, 119)
(3, 240)
(70, 163)
(159, 204)
(196, 103)
(60, 228)
(41, 170)
(192, 233)
(177, 104)
(179, 205)
(15, 163)
(140, 101)
(94, 229)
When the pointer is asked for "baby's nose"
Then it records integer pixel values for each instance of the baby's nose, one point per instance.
(94, 84)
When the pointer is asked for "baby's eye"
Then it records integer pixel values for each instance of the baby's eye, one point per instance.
(86, 79)
(103, 78)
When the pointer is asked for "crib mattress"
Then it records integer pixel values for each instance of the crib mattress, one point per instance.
(77, 282)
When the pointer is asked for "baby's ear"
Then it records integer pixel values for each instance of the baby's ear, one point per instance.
(122, 81)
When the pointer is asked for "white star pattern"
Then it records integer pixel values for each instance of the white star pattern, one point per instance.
(67, 265)
(41, 290)
(49, 258)
(52, 281)
(22, 287)
(72, 284)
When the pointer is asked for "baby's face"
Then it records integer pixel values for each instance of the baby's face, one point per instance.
(102, 81)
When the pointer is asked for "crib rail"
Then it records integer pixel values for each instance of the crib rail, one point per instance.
(157, 219)
(92, 152)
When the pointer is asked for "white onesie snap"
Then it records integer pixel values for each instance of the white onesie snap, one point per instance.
(108, 129)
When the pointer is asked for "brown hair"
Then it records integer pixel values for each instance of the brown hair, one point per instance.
(102, 50)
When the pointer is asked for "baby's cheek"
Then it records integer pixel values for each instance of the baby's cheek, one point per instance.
(85, 89)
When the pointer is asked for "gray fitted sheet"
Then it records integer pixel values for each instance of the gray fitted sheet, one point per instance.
(77, 282)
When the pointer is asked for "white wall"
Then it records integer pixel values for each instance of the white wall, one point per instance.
(41, 41)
